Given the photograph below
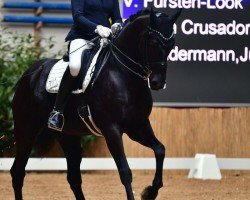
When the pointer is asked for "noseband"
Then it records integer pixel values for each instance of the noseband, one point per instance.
(145, 69)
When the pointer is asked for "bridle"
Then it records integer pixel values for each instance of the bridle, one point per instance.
(160, 36)
(145, 66)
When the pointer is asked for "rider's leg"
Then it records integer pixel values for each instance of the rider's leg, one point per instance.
(56, 120)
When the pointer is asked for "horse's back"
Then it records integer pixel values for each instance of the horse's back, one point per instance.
(28, 77)
(31, 86)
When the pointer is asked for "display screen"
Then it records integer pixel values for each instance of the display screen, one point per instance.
(210, 63)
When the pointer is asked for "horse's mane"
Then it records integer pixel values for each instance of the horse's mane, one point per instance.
(142, 13)
(136, 15)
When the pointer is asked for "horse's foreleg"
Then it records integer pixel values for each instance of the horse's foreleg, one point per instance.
(114, 141)
(145, 136)
(73, 152)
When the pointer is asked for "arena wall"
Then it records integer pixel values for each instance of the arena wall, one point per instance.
(187, 131)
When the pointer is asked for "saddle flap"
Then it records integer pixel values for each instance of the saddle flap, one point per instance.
(55, 76)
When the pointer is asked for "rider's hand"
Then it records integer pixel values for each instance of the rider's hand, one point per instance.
(104, 32)
(115, 28)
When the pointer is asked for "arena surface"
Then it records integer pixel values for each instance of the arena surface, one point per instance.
(99, 186)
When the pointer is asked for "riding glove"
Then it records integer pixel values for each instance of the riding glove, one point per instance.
(115, 28)
(104, 32)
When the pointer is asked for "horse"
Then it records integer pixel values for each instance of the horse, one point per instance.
(120, 102)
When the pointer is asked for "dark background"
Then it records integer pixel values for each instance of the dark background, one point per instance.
(208, 83)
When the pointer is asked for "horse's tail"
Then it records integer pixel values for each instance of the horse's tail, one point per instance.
(44, 141)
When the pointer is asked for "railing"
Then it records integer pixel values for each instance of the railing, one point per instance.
(39, 6)
(27, 5)
(55, 164)
(32, 19)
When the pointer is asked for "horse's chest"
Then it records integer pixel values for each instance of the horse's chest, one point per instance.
(138, 106)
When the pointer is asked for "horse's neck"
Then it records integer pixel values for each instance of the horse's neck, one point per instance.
(128, 40)
(124, 82)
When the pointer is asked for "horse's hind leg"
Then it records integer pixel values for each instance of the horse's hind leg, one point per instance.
(24, 141)
(145, 136)
(73, 152)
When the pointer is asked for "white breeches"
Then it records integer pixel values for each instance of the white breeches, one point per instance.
(75, 57)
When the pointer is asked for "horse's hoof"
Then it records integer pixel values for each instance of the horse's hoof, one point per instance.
(149, 193)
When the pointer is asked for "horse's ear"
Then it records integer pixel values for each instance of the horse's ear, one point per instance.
(175, 16)
(153, 19)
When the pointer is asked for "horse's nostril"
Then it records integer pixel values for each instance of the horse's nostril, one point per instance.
(154, 83)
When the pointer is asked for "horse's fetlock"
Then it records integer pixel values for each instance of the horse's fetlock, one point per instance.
(149, 193)
(157, 184)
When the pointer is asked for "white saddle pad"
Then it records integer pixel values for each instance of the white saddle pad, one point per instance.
(57, 71)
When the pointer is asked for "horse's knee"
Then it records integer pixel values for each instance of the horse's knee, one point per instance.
(125, 176)
(74, 67)
(160, 151)
(74, 178)
(12, 172)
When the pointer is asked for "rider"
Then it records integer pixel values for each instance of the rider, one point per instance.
(91, 18)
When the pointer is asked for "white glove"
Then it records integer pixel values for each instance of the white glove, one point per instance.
(115, 28)
(104, 32)
(104, 42)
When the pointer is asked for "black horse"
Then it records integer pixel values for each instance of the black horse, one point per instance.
(120, 101)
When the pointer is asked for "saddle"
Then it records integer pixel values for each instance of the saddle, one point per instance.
(93, 61)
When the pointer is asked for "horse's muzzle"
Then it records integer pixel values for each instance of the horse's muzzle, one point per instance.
(156, 85)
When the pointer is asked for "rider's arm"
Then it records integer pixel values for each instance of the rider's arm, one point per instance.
(116, 15)
(78, 16)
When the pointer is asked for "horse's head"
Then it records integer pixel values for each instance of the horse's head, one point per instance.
(145, 43)
(158, 44)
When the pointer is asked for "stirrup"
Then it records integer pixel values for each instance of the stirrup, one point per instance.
(54, 123)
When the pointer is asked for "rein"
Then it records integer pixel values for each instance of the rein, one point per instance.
(146, 71)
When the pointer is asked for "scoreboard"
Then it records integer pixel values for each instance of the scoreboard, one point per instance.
(210, 64)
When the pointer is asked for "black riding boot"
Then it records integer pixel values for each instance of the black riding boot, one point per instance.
(56, 119)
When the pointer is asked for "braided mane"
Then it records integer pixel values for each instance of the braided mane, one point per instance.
(136, 15)
(142, 13)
